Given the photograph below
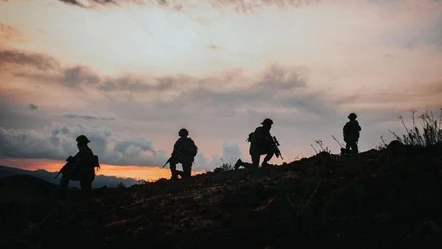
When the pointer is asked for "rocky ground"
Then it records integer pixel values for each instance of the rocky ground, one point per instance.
(322, 201)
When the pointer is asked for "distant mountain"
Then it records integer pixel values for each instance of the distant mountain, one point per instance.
(100, 180)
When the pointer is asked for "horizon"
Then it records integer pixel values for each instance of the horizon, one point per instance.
(130, 75)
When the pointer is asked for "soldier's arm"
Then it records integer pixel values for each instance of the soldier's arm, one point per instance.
(176, 147)
(358, 126)
(345, 129)
(76, 158)
(192, 142)
(268, 136)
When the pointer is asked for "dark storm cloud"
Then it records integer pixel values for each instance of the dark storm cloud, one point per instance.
(58, 142)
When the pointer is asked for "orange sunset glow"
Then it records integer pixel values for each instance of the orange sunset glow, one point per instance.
(135, 172)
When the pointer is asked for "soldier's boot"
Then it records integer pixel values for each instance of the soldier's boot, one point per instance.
(174, 175)
(180, 174)
(238, 164)
(265, 162)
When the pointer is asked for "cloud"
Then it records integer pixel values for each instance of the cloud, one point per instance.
(39, 61)
(50, 70)
(217, 101)
(424, 95)
(180, 5)
(74, 76)
(58, 142)
(16, 112)
(131, 83)
(8, 33)
(230, 153)
(87, 117)
(73, 2)
(33, 107)
(277, 87)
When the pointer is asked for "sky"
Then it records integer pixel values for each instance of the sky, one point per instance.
(130, 73)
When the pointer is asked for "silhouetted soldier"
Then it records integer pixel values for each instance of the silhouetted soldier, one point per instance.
(261, 143)
(184, 152)
(351, 134)
(81, 167)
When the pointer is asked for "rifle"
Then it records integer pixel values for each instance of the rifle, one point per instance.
(69, 160)
(172, 157)
(249, 139)
(344, 151)
(275, 146)
(337, 141)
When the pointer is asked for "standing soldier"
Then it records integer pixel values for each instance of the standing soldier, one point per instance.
(81, 167)
(184, 152)
(351, 134)
(261, 143)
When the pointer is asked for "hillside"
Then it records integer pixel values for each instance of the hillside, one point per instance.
(322, 201)
(100, 180)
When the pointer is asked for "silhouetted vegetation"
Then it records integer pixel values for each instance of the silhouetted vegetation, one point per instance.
(225, 166)
(429, 132)
(321, 147)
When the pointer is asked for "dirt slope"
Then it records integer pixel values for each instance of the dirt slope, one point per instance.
(322, 201)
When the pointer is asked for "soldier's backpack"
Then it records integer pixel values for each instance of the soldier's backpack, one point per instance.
(193, 148)
(249, 139)
(188, 147)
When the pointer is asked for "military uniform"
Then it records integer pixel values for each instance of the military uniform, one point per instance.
(351, 134)
(261, 143)
(81, 167)
(184, 152)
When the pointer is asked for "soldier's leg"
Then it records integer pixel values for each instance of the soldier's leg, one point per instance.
(354, 148)
(238, 164)
(173, 171)
(246, 164)
(64, 183)
(86, 185)
(187, 170)
(347, 146)
(255, 160)
(267, 158)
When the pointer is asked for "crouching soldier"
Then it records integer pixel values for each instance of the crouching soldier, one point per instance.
(261, 143)
(351, 135)
(184, 152)
(81, 167)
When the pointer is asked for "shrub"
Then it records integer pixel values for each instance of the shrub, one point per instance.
(429, 134)
(223, 167)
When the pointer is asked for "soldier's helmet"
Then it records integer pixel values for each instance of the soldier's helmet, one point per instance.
(82, 139)
(183, 132)
(352, 116)
(267, 121)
